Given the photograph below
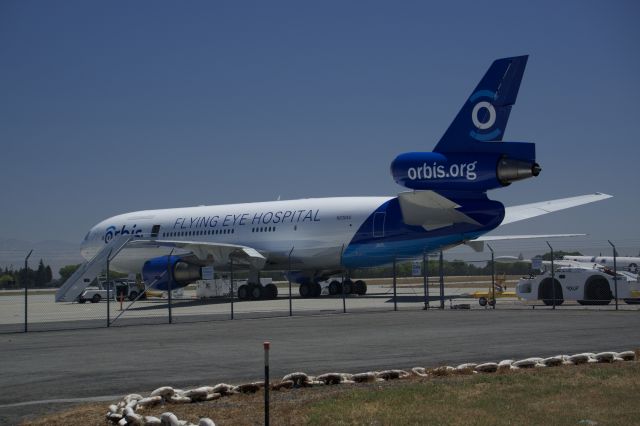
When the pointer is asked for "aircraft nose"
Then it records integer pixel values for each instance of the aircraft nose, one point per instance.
(87, 246)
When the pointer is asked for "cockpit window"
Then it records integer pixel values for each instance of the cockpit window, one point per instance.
(86, 237)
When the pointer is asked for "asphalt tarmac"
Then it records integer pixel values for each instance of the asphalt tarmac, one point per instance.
(105, 364)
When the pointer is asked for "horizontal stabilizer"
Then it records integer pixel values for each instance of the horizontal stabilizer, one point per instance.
(430, 210)
(527, 211)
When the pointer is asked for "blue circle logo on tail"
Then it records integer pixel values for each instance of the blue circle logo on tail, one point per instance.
(483, 116)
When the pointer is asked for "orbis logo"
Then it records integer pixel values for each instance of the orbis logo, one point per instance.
(453, 172)
(113, 232)
(483, 116)
(440, 171)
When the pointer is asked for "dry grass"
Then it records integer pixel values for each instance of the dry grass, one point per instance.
(604, 393)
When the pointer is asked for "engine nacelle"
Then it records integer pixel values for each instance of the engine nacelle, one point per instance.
(459, 171)
(182, 273)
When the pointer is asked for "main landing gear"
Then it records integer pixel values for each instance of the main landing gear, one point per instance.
(335, 287)
(257, 292)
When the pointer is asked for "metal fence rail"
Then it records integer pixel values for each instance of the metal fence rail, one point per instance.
(425, 287)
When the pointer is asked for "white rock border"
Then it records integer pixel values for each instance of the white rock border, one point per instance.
(124, 412)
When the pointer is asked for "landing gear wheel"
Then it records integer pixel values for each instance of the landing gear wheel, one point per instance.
(133, 295)
(347, 287)
(243, 292)
(305, 290)
(255, 292)
(316, 289)
(492, 302)
(482, 301)
(335, 288)
(271, 291)
(360, 287)
(96, 298)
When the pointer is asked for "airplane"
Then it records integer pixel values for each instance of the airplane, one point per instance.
(313, 239)
(630, 264)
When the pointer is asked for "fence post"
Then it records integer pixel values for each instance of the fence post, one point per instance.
(425, 282)
(169, 279)
(493, 277)
(266, 383)
(395, 302)
(615, 271)
(441, 266)
(26, 286)
(231, 284)
(553, 277)
(344, 297)
(289, 278)
(108, 291)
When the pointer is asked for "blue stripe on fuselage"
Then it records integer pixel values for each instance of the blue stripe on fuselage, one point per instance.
(392, 238)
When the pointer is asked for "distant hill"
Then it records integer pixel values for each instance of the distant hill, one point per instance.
(54, 253)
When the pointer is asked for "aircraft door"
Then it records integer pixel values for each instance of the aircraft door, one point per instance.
(378, 224)
(155, 230)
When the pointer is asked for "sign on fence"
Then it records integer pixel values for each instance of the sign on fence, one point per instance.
(207, 273)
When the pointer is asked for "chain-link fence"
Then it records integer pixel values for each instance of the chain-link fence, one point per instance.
(497, 278)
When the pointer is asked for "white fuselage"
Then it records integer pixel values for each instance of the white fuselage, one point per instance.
(314, 230)
(622, 262)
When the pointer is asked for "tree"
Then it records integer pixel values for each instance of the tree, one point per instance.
(7, 281)
(66, 271)
(41, 275)
(558, 254)
(48, 274)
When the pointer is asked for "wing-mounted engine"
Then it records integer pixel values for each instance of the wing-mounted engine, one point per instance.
(159, 271)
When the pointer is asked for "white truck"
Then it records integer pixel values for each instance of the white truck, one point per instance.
(94, 294)
(584, 285)
(221, 287)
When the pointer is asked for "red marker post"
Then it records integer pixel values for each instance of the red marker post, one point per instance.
(266, 383)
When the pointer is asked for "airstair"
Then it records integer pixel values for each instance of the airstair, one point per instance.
(88, 271)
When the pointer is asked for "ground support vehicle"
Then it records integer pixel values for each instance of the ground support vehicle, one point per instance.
(500, 290)
(126, 289)
(584, 285)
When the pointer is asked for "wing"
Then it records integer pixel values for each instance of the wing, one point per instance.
(478, 243)
(211, 253)
(527, 211)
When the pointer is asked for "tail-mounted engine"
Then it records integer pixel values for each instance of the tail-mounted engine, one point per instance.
(460, 171)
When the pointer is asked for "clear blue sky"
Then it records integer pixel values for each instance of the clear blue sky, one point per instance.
(108, 107)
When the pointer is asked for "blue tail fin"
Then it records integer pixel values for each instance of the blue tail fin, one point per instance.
(485, 114)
